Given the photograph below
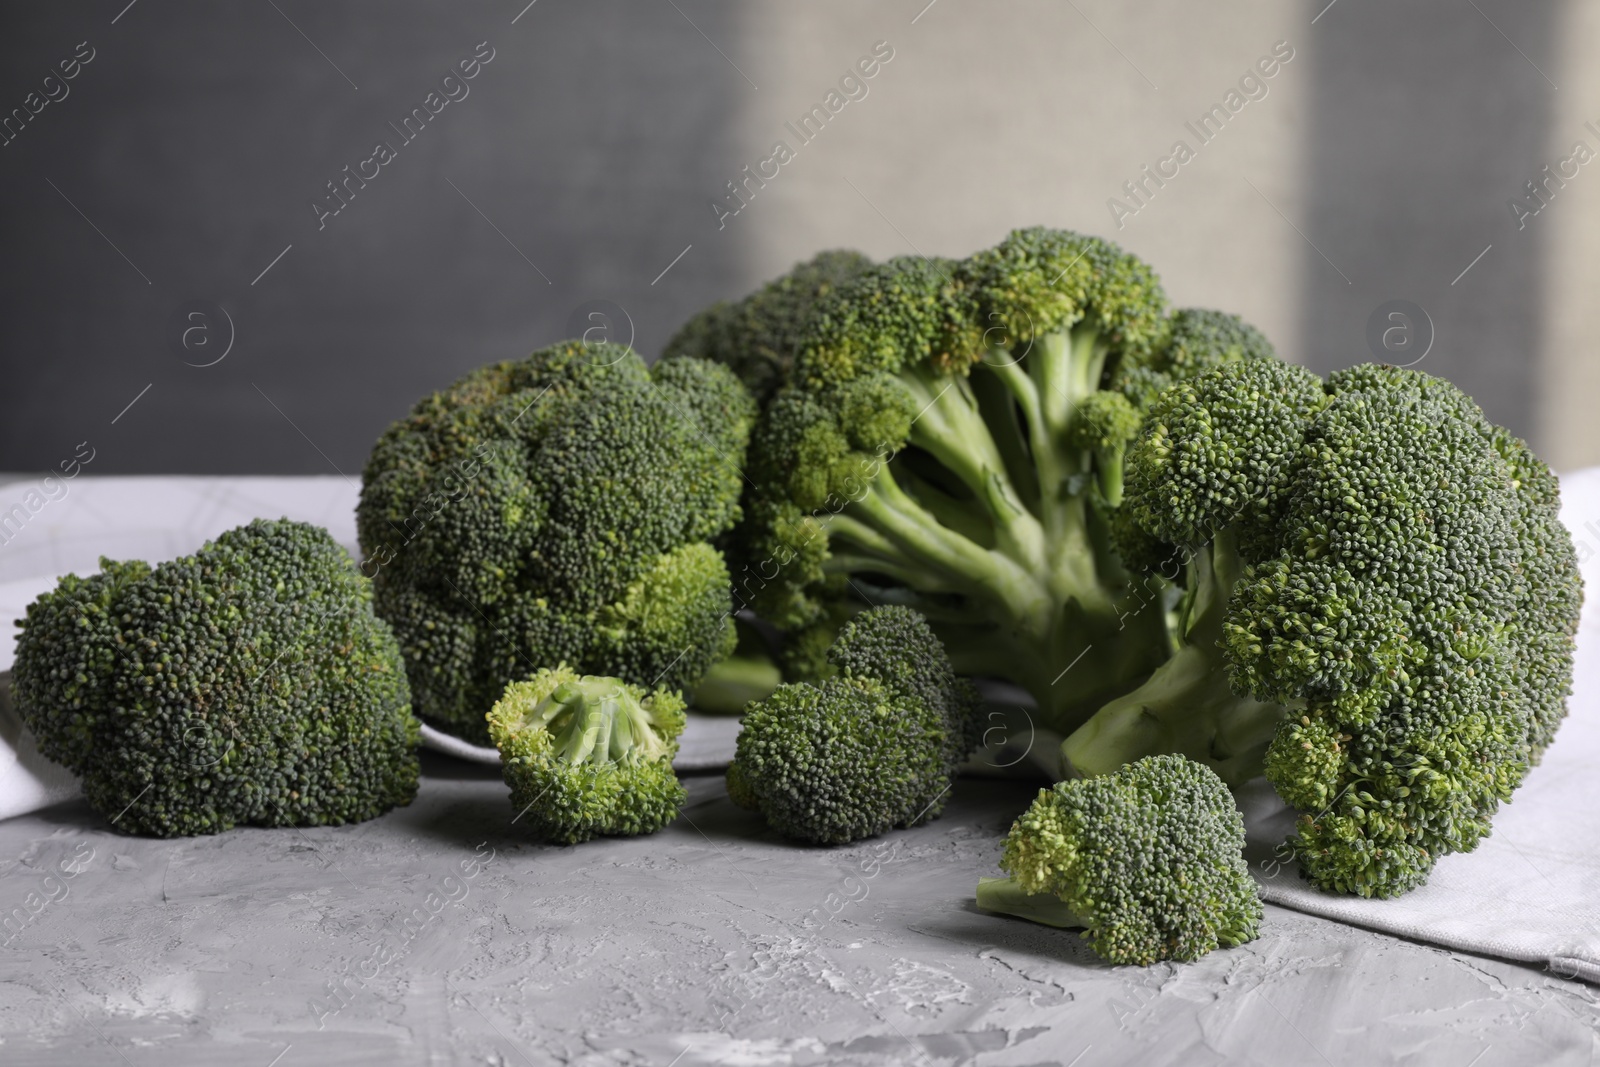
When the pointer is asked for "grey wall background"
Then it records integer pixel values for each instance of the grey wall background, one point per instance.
(581, 165)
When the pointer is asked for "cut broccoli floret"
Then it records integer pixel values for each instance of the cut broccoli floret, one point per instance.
(1379, 609)
(560, 509)
(1148, 859)
(249, 683)
(587, 756)
(873, 747)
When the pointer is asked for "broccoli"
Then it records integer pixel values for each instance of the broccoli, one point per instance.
(249, 683)
(950, 438)
(1147, 858)
(756, 336)
(873, 747)
(1379, 609)
(586, 756)
(560, 509)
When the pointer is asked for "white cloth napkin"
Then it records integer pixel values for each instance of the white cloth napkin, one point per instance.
(1531, 891)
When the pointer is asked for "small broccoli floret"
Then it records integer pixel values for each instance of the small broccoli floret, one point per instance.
(1102, 426)
(587, 756)
(566, 508)
(875, 746)
(1148, 859)
(249, 683)
(757, 336)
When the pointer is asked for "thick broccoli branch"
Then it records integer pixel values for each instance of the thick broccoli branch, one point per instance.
(1188, 705)
(1060, 622)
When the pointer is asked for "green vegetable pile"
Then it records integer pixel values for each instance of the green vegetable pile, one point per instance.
(1179, 544)
(834, 504)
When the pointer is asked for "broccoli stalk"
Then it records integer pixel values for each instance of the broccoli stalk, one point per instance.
(1188, 705)
(1025, 545)
(750, 673)
(586, 756)
(1148, 859)
(733, 683)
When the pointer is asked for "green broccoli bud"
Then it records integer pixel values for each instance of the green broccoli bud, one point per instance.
(1102, 426)
(586, 756)
(874, 747)
(249, 683)
(1148, 859)
(757, 337)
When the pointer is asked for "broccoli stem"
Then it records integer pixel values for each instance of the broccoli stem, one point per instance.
(890, 566)
(950, 428)
(1052, 605)
(1054, 463)
(885, 508)
(1067, 635)
(1108, 469)
(1006, 897)
(734, 682)
(1187, 705)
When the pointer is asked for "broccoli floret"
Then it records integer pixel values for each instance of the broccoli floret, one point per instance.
(587, 756)
(875, 746)
(757, 336)
(1148, 859)
(560, 509)
(947, 441)
(249, 683)
(1380, 609)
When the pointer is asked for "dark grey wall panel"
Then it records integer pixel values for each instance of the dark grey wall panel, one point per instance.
(199, 134)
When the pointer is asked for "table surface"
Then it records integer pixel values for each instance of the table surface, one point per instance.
(437, 934)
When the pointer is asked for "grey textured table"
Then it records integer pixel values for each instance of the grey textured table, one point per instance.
(437, 935)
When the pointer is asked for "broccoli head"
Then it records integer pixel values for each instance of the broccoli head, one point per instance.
(1379, 609)
(249, 683)
(1148, 859)
(949, 440)
(587, 756)
(873, 747)
(559, 509)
